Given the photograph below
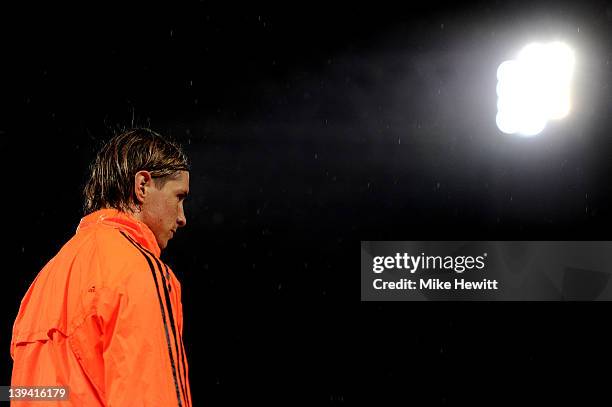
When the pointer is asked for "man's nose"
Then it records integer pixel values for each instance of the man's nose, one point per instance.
(181, 220)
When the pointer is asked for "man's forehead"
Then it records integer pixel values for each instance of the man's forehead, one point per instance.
(178, 180)
(181, 181)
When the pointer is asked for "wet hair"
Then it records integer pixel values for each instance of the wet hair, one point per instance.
(111, 179)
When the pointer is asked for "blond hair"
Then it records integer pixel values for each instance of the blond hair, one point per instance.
(111, 180)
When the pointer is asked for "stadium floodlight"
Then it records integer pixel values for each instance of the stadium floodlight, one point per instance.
(534, 88)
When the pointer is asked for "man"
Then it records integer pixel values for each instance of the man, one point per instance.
(104, 316)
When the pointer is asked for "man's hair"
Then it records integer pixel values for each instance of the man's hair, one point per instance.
(111, 180)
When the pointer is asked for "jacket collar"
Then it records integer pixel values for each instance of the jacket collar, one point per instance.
(123, 221)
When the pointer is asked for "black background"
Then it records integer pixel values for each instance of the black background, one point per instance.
(309, 131)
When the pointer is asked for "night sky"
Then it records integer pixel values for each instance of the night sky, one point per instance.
(309, 132)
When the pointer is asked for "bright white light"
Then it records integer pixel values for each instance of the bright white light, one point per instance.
(534, 88)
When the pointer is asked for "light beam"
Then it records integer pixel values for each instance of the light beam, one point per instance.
(534, 88)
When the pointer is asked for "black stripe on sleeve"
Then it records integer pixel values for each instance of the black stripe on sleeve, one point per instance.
(163, 313)
(170, 313)
(184, 370)
(182, 349)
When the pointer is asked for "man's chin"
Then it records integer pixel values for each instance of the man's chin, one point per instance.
(162, 244)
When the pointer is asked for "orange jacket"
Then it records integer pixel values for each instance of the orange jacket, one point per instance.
(104, 317)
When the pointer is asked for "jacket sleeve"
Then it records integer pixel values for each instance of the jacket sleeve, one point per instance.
(129, 362)
(137, 350)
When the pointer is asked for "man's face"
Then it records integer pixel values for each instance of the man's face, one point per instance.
(162, 209)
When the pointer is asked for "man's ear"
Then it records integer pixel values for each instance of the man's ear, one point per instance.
(142, 181)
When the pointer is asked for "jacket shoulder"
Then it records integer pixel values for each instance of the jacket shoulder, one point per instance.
(97, 260)
(116, 255)
(103, 256)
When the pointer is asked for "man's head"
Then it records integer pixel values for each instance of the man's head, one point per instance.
(141, 173)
